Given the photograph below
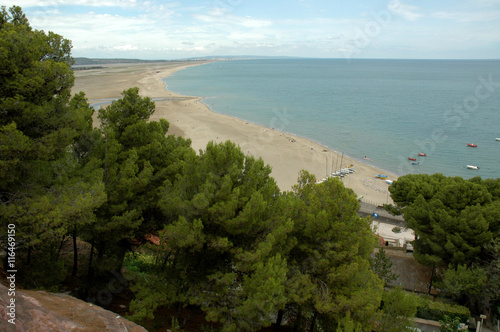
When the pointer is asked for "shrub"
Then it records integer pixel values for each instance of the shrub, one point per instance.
(396, 230)
(438, 311)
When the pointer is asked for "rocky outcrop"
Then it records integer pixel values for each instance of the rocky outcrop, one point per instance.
(42, 311)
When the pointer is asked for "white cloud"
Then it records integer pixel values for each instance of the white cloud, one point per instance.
(86, 3)
(127, 47)
(159, 28)
(222, 16)
(408, 12)
(468, 17)
(240, 36)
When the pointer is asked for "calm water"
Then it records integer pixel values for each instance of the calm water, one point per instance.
(386, 110)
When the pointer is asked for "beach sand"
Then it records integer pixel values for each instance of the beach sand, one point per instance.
(190, 118)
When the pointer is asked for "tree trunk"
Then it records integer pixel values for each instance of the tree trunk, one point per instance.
(279, 319)
(91, 256)
(75, 254)
(313, 322)
(89, 271)
(432, 277)
(60, 247)
(28, 258)
(298, 320)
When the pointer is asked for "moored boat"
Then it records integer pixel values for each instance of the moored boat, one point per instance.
(415, 163)
(472, 167)
(410, 158)
(472, 145)
(422, 155)
(498, 138)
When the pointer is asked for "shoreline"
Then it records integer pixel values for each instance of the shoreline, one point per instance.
(356, 159)
(381, 170)
(189, 117)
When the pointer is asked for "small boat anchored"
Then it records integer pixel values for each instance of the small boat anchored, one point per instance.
(472, 167)
(422, 155)
(472, 145)
(498, 138)
(410, 158)
(415, 163)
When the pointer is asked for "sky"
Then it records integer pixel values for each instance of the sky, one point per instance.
(153, 29)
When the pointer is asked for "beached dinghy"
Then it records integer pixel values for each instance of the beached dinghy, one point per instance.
(472, 167)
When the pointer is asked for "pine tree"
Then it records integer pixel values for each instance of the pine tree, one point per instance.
(39, 126)
(329, 271)
(381, 266)
(223, 252)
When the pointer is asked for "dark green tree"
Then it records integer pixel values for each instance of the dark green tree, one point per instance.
(329, 270)
(381, 266)
(454, 221)
(137, 157)
(223, 250)
(39, 126)
(450, 217)
(399, 309)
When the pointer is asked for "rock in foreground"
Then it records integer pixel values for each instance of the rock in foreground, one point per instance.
(42, 311)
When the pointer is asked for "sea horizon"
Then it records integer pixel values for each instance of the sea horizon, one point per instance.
(383, 109)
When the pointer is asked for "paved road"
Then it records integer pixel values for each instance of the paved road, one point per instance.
(383, 216)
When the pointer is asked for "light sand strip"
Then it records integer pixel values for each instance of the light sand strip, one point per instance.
(190, 118)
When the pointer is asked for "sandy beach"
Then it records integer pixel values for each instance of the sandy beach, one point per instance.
(190, 118)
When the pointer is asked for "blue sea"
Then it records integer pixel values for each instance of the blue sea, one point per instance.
(384, 110)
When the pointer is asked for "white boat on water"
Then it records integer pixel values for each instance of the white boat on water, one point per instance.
(498, 138)
(472, 167)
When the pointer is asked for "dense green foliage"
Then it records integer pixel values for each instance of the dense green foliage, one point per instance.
(398, 311)
(329, 268)
(230, 243)
(457, 226)
(223, 250)
(381, 266)
(437, 310)
(44, 189)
